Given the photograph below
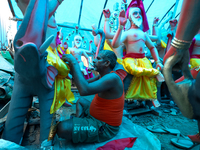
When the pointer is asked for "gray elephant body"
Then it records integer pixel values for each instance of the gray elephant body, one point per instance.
(34, 76)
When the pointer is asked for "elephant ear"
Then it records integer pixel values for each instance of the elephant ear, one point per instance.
(49, 78)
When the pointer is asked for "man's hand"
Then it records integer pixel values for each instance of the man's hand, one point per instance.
(122, 18)
(106, 13)
(69, 59)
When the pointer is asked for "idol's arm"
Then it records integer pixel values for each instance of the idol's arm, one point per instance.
(154, 52)
(107, 30)
(119, 38)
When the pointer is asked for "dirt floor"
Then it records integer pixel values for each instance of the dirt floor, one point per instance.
(172, 119)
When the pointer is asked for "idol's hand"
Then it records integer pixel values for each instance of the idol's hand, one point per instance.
(65, 46)
(159, 66)
(155, 21)
(106, 13)
(122, 18)
(160, 77)
(173, 23)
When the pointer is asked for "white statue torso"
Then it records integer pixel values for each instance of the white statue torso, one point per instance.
(135, 41)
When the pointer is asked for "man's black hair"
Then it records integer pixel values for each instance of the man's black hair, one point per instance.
(110, 56)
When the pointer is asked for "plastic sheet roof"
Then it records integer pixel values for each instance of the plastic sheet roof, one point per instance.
(88, 12)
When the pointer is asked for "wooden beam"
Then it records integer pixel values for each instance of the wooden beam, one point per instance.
(11, 8)
(102, 14)
(79, 18)
(149, 6)
(166, 13)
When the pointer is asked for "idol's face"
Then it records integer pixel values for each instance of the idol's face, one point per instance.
(78, 41)
(135, 16)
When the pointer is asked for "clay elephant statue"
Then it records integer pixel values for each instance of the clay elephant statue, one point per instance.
(34, 76)
(185, 93)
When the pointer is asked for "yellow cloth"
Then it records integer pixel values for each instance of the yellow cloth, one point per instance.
(143, 85)
(195, 63)
(62, 84)
(163, 44)
(108, 47)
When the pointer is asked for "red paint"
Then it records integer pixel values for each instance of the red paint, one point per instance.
(152, 48)
(51, 26)
(141, 50)
(135, 35)
(52, 70)
(50, 85)
(23, 57)
(50, 76)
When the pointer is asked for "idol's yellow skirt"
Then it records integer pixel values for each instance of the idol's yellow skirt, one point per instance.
(62, 84)
(195, 63)
(143, 85)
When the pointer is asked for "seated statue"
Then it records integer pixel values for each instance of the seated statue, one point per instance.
(77, 52)
(143, 84)
(99, 120)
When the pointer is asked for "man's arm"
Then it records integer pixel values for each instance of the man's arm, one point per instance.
(103, 84)
(119, 38)
(93, 79)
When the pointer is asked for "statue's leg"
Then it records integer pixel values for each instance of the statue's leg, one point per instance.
(20, 103)
(45, 99)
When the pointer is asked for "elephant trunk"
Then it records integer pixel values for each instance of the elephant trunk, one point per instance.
(179, 92)
(34, 24)
(102, 40)
(29, 38)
